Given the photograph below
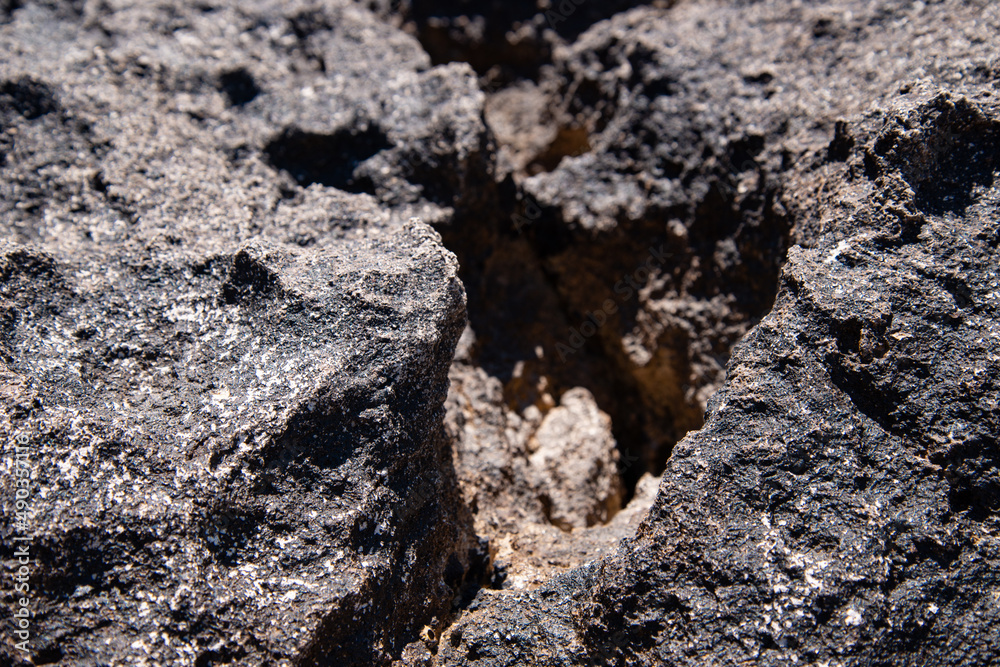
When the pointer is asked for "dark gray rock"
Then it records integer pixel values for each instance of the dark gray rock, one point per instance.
(839, 506)
(226, 451)
(226, 346)
(693, 119)
(504, 40)
(227, 359)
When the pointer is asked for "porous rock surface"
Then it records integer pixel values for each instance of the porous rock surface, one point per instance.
(575, 463)
(839, 505)
(502, 40)
(228, 361)
(229, 347)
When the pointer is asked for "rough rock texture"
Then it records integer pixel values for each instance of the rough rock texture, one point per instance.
(543, 484)
(839, 506)
(227, 348)
(180, 421)
(504, 40)
(229, 365)
(574, 463)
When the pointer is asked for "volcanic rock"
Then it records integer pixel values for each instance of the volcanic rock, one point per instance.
(839, 505)
(226, 360)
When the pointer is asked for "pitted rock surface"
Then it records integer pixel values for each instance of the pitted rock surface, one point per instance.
(227, 359)
(839, 505)
(750, 247)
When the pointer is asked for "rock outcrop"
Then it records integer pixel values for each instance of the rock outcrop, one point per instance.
(227, 363)
(324, 348)
(839, 505)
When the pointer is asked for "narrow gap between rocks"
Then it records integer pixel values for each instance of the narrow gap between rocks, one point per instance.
(635, 322)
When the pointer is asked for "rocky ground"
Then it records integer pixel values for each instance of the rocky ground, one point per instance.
(445, 333)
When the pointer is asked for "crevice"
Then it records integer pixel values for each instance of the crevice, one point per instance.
(506, 41)
(7, 9)
(26, 97)
(537, 285)
(568, 142)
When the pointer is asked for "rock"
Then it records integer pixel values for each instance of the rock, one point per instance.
(491, 452)
(840, 496)
(750, 247)
(528, 477)
(225, 356)
(505, 39)
(667, 231)
(574, 464)
(237, 462)
(839, 505)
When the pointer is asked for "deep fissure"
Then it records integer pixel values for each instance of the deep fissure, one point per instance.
(553, 308)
